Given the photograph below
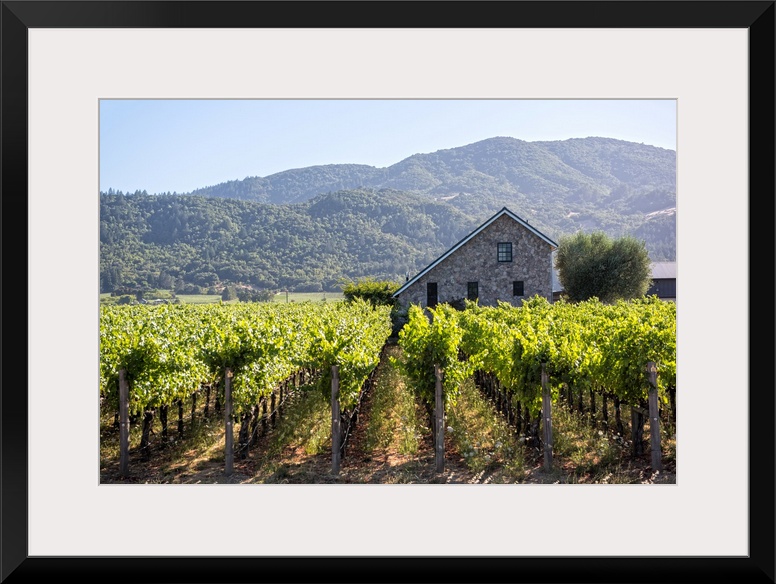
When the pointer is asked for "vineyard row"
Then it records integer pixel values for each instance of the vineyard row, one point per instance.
(152, 357)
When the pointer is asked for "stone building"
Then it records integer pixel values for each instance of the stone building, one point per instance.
(504, 259)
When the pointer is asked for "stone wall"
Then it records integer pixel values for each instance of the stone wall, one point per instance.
(477, 261)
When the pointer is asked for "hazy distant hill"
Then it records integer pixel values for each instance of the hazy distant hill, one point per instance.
(560, 186)
(308, 228)
(575, 170)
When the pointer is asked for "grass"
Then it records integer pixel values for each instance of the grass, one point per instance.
(199, 298)
(482, 437)
(395, 422)
(596, 454)
(301, 435)
(583, 452)
(305, 424)
(309, 297)
(215, 298)
(202, 441)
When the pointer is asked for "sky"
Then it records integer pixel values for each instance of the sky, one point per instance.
(162, 145)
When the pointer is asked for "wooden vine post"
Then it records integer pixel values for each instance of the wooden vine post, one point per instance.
(180, 418)
(336, 430)
(618, 417)
(229, 448)
(123, 423)
(637, 448)
(263, 415)
(194, 405)
(439, 411)
(547, 418)
(654, 417)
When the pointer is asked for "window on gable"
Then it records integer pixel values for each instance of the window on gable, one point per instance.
(504, 252)
(473, 290)
(517, 288)
(431, 294)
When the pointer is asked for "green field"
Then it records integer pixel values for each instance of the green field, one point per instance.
(292, 297)
(309, 296)
(198, 298)
(282, 297)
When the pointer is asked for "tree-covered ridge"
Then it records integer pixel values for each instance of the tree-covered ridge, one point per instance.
(193, 244)
(601, 170)
(298, 185)
(617, 161)
(173, 241)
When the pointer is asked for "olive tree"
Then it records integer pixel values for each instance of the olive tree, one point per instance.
(595, 265)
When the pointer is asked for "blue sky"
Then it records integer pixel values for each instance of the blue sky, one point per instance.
(180, 145)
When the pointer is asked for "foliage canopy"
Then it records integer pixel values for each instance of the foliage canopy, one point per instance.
(377, 292)
(596, 266)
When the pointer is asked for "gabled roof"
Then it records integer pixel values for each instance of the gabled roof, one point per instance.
(663, 270)
(452, 250)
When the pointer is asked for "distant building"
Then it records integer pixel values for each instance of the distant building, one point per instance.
(504, 259)
(663, 280)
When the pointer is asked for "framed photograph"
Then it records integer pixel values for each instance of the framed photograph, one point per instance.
(61, 58)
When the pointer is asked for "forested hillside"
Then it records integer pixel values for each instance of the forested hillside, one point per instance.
(195, 242)
(308, 229)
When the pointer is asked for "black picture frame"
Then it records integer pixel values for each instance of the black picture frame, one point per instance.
(756, 16)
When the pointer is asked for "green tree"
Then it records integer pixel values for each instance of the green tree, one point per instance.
(595, 265)
(246, 295)
(378, 292)
(229, 293)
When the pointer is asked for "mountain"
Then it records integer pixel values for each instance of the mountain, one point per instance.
(579, 169)
(308, 228)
